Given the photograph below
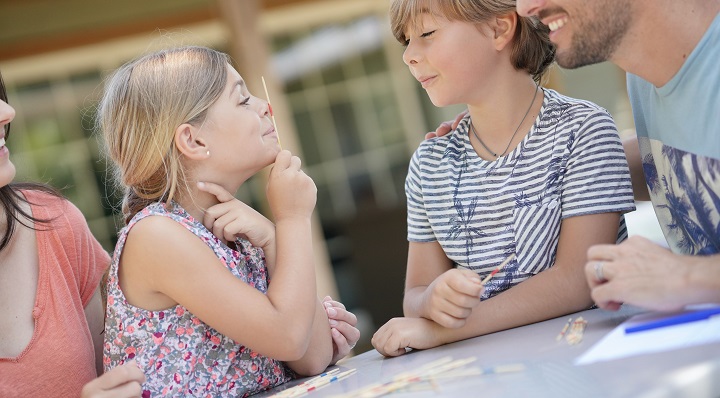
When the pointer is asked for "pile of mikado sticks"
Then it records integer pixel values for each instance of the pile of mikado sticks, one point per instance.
(575, 333)
(315, 383)
(425, 377)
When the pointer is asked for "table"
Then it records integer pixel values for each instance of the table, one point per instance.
(550, 372)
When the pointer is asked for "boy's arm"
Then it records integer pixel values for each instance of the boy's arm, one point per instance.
(557, 291)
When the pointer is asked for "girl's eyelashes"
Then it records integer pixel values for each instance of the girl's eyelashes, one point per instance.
(427, 34)
(245, 101)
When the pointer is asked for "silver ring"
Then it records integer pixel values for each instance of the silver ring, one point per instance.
(599, 271)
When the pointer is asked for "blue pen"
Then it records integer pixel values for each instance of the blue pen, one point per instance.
(675, 320)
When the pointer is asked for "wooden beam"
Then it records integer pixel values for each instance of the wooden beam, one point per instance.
(70, 39)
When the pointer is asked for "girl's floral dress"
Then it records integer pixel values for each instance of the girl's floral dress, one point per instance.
(181, 355)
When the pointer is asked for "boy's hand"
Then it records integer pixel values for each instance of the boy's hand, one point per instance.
(450, 298)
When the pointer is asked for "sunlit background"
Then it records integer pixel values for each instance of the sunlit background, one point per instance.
(343, 98)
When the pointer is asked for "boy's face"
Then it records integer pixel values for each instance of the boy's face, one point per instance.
(449, 58)
(585, 32)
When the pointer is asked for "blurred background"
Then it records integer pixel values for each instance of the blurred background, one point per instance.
(343, 100)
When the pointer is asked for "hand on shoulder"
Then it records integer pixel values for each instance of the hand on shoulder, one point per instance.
(446, 127)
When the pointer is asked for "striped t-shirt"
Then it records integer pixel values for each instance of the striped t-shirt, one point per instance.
(570, 164)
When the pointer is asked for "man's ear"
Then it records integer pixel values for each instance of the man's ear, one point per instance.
(189, 142)
(504, 27)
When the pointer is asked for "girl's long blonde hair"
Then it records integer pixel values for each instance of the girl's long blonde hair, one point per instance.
(144, 102)
(532, 49)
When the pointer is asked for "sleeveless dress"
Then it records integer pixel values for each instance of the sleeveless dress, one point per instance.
(179, 353)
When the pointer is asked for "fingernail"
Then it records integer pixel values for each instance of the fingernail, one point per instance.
(201, 184)
(328, 304)
(335, 332)
(333, 322)
(331, 312)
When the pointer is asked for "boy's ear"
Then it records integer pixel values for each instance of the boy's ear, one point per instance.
(189, 143)
(504, 27)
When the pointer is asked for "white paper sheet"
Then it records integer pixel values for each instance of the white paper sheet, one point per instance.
(618, 345)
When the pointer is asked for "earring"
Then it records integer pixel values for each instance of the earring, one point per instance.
(208, 153)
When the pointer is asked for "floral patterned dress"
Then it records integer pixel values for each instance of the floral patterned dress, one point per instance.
(179, 353)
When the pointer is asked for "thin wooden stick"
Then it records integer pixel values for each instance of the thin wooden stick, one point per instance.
(498, 268)
(564, 330)
(272, 114)
(315, 383)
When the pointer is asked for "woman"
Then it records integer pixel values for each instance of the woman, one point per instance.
(51, 314)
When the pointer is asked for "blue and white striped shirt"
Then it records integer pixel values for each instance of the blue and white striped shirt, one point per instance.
(570, 164)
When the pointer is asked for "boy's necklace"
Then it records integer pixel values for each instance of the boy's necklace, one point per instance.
(472, 128)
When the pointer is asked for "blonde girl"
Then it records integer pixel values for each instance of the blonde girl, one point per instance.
(189, 296)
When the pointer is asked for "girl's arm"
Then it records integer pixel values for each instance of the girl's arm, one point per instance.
(164, 264)
(319, 352)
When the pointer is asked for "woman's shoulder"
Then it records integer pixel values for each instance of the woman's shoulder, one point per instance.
(52, 206)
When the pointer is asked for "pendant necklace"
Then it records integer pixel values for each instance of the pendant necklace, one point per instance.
(472, 128)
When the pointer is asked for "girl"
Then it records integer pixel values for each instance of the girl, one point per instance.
(188, 292)
(50, 269)
(528, 172)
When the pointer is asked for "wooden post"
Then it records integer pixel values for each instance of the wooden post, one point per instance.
(249, 50)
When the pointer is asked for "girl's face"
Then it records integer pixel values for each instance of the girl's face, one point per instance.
(239, 132)
(450, 59)
(7, 169)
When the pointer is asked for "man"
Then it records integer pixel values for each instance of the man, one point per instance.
(670, 50)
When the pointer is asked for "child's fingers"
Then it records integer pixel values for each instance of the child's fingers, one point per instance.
(466, 282)
(329, 302)
(341, 315)
(127, 377)
(282, 160)
(221, 193)
(295, 163)
(349, 333)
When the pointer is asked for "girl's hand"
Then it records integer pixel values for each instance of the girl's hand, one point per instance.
(342, 328)
(232, 218)
(397, 334)
(124, 381)
(290, 192)
(450, 298)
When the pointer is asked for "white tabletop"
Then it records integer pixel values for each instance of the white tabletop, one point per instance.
(550, 372)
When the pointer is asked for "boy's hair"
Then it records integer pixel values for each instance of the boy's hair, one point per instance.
(144, 102)
(532, 49)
